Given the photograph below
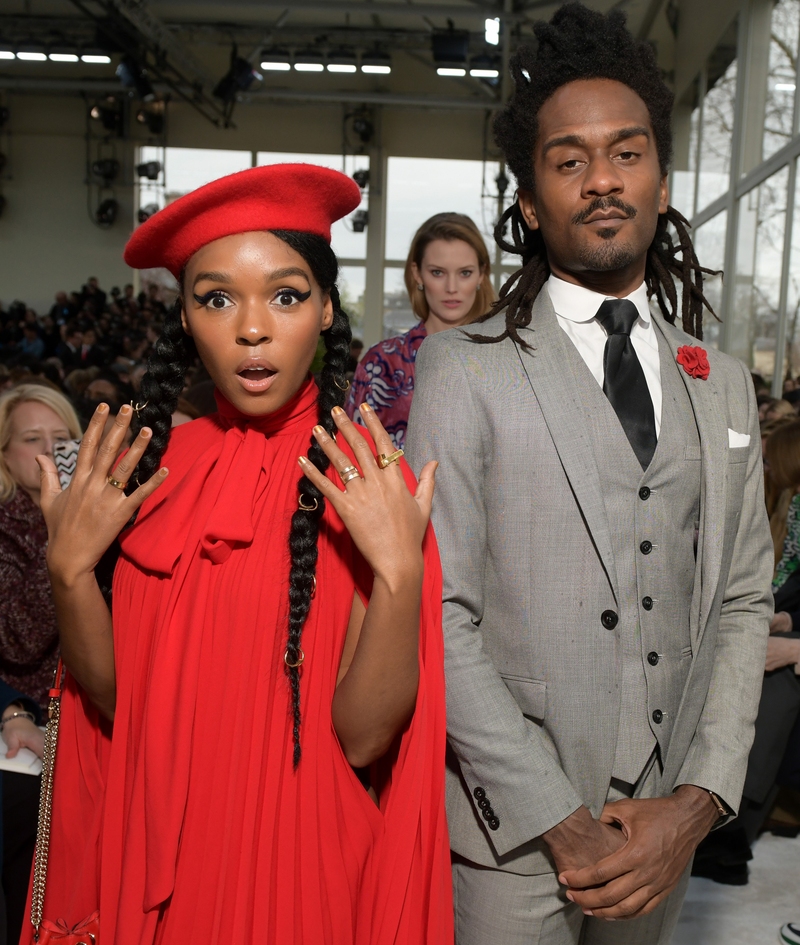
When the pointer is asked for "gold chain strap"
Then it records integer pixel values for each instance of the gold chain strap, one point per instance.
(45, 806)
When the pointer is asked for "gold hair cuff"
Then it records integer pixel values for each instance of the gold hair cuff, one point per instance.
(346, 384)
(300, 657)
(384, 460)
(122, 486)
(307, 508)
(137, 407)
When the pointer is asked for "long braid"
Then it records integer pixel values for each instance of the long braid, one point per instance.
(305, 524)
(174, 353)
(666, 261)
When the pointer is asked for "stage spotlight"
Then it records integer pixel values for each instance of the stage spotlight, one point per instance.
(134, 76)
(360, 221)
(275, 60)
(106, 168)
(363, 127)
(146, 212)
(239, 77)
(109, 114)
(309, 60)
(361, 177)
(491, 30)
(153, 120)
(376, 63)
(150, 169)
(106, 213)
(343, 61)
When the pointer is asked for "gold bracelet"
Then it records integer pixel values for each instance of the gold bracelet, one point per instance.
(22, 714)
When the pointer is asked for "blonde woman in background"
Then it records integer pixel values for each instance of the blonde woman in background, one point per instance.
(448, 280)
(33, 418)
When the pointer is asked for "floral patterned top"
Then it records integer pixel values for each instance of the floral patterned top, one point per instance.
(384, 379)
(790, 561)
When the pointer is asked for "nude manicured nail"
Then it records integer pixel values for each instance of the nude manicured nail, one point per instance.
(366, 407)
(319, 431)
(125, 409)
(337, 412)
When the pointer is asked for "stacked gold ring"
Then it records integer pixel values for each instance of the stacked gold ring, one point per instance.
(384, 460)
(349, 473)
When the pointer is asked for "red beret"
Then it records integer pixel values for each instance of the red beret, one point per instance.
(302, 197)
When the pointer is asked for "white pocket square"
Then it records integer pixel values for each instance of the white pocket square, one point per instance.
(737, 439)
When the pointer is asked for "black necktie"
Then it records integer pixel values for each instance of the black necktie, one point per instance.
(625, 384)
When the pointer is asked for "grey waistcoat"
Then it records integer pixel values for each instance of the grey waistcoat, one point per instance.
(656, 580)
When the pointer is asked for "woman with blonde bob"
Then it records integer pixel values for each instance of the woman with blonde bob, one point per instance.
(448, 280)
(33, 418)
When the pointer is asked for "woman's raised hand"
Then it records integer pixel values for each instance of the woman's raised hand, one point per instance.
(85, 518)
(386, 522)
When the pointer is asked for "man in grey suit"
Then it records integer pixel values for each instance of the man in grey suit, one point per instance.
(600, 515)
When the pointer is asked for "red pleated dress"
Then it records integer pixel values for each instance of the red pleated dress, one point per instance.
(188, 823)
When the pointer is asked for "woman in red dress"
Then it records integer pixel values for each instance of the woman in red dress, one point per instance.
(276, 635)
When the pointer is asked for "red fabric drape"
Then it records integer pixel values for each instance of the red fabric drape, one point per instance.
(189, 823)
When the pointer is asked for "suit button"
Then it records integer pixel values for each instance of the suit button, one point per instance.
(494, 823)
(484, 804)
(652, 659)
(647, 603)
(488, 814)
(658, 716)
(644, 493)
(646, 547)
(609, 619)
(479, 793)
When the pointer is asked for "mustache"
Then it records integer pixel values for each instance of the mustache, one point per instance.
(603, 203)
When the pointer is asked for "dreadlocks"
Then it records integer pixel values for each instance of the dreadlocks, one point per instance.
(579, 43)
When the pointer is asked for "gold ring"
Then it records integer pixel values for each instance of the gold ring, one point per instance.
(349, 473)
(301, 657)
(384, 460)
(122, 486)
(307, 508)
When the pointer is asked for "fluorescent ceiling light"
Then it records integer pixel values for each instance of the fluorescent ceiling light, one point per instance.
(484, 73)
(63, 57)
(784, 86)
(376, 70)
(443, 70)
(32, 56)
(309, 66)
(275, 66)
(7, 54)
(491, 29)
(349, 67)
(96, 59)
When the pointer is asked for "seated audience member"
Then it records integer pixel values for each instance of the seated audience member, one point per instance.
(20, 717)
(31, 343)
(724, 854)
(780, 408)
(448, 280)
(69, 351)
(32, 419)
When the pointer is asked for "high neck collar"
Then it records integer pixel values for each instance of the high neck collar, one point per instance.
(299, 411)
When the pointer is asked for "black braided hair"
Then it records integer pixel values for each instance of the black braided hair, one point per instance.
(174, 354)
(579, 43)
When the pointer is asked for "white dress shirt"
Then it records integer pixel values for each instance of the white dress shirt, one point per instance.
(576, 308)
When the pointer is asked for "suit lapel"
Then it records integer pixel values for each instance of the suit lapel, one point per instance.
(565, 416)
(706, 403)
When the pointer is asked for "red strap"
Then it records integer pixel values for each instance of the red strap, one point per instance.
(55, 692)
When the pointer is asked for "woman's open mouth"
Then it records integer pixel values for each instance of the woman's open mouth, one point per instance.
(256, 376)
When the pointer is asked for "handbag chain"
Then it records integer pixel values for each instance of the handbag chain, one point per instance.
(46, 803)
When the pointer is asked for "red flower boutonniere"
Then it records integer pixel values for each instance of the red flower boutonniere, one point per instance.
(694, 361)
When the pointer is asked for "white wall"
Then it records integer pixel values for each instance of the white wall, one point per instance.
(47, 241)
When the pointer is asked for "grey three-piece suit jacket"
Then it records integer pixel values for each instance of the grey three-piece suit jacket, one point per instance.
(595, 615)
